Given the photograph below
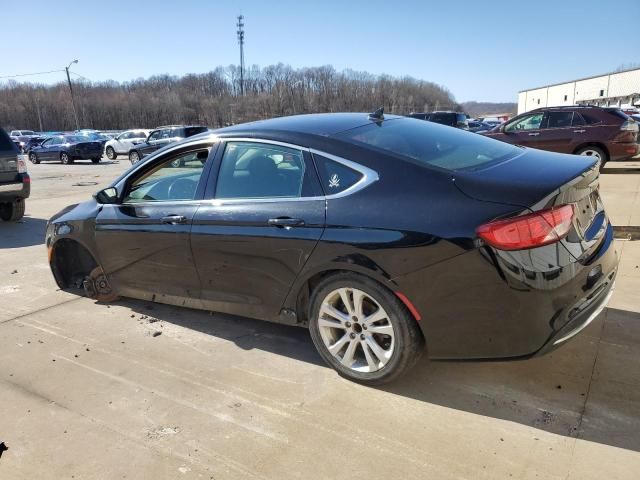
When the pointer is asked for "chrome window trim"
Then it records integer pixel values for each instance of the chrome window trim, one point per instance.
(369, 176)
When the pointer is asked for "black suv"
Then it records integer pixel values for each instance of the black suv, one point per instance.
(162, 136)
(14, 180)
(452, 119)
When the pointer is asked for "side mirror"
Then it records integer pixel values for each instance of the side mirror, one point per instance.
(502, 128)
(107, 196)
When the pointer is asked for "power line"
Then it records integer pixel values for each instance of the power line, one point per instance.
(30, 74)
(78, 75)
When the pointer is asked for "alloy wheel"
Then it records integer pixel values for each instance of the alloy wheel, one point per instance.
(592, 153)
(134, 157)
(356, 330)
(110, 152)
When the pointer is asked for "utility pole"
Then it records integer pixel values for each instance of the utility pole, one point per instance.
(73, 103)
(240, 33)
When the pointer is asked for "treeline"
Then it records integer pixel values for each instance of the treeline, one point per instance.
(214, 98)
(487, 108)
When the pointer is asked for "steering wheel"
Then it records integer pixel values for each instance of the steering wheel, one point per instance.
(182, 189)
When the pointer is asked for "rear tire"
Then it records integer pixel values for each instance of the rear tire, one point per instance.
(134, 157)
(66, 159)
(96, 160)
(595, 152)
(12, 211)
(111, 153)
(33, 157)
(357, 345)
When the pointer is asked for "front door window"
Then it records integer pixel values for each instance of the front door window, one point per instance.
(529, 122)
(174, 179)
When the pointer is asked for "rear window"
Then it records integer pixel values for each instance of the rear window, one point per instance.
(443, 118)
(429, 144)
(190, 131)
(6, 144)
(619, 113)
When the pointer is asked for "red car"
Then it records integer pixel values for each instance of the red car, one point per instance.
(604, 133)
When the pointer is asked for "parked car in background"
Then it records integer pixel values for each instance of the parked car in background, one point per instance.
(66, 149)
(97, 137)
(494, 122)
(123, 143)
(161, 137)
(600, 132)
(350, 225)
(32, 142)
(21, 137)
(452, 119)
(15, 183)
(477, 127)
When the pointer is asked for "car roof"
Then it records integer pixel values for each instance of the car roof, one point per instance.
(322, 124)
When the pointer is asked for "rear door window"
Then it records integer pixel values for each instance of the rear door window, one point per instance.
(558, 120)
(578, 120)
(257, 170)
(428, 144)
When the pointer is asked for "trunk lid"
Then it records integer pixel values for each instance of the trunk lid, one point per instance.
(537, 180)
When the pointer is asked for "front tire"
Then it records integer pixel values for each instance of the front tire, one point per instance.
(96, 159)
(12, 211)
(65, 159)
(111, 153)
(362, 330)
(134, 157)
(33, 157)
(596, 153)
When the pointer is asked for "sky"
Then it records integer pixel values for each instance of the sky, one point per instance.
(479, 50)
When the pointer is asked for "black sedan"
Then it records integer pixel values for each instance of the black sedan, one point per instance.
(66, 149)
(379, 234)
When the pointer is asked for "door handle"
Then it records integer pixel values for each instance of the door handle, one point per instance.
(286, 222)
(579, 131)
(534, 134)
(174, 219)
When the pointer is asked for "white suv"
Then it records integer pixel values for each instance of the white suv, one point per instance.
(122, 143)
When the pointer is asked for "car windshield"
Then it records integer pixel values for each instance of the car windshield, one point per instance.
(28, 132)
(431, 144)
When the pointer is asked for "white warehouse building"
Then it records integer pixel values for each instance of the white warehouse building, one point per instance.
(613, 89)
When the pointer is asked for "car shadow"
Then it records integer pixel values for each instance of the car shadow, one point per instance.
(246, 333)
(23, 233)
(567, 392)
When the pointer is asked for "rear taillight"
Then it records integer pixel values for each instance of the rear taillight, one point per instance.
(528, 231)
(22, 164)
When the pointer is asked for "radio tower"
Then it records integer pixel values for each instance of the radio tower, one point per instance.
(240, 32)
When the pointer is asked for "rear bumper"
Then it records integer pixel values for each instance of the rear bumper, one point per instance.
(18, 188)
(622, 151)
(583, 318)
(488, 305)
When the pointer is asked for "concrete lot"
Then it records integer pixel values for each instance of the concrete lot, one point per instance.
(87, 391)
